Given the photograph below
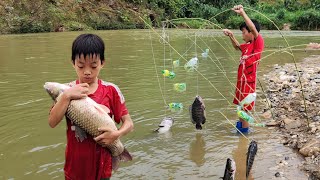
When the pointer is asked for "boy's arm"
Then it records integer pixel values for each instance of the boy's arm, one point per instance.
(234, 41)
(59, 109)
(127, 125)
(239, 10)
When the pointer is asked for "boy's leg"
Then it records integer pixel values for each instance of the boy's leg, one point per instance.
(245, 124)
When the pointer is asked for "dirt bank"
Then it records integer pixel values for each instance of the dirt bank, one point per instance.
(297, 113)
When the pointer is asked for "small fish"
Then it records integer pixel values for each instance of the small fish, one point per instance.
(165, 125)
(197, 112)
(252, 151)
(230, 170)
(88, 115)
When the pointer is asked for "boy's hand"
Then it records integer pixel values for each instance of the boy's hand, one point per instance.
(238, 9)
(77, 92)
(227, 32)
(107, 137)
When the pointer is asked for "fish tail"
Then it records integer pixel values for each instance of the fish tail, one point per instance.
(123, 157)
(198, 126)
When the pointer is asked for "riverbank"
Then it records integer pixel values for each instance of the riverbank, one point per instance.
(297, 113)
(36, 16)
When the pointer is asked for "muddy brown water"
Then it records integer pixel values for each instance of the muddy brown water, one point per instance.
(30, 149)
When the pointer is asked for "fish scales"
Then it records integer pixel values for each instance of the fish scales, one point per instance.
(252, 151)
(86, 116)
(197, 112)
(89, 116)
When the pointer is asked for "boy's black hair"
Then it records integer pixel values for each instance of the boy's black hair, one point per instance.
(255, 22)
(87, 44)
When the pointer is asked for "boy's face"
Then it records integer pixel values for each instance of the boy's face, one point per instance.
(246, 35)
(88, 68)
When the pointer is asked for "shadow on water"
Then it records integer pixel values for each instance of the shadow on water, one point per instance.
(198, 150)
(239, 155)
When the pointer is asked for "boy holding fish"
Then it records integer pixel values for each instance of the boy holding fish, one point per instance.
(86, 156)
(251, 53)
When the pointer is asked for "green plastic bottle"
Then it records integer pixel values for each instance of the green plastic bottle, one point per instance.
(243, 115)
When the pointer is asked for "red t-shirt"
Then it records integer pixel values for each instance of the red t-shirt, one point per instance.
(88, 160)
(247, 71)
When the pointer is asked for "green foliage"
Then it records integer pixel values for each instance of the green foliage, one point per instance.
(76, 26)
(24, 16)
(309, 19)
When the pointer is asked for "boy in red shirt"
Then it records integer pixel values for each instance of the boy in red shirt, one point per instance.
(251, 52)
(86, 157)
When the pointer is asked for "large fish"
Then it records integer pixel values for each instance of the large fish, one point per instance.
(197, 112)
(252, 151)
(88, 115)
(230, 170)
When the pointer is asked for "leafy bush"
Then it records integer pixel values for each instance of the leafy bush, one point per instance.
(309, 19)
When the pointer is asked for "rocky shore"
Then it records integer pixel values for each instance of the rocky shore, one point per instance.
(297, 113)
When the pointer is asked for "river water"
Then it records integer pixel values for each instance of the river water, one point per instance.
(30, 149)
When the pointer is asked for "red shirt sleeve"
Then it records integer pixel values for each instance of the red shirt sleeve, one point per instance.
(118, 106)
(258, 47)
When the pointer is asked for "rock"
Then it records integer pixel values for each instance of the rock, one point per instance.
(316, 118)
(313, 130)
(287, 121)
(293, 125)
(272, 123)
(311, 148)
(267, 114)
(317, 80)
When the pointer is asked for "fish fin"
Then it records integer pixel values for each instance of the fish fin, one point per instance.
(198, 126)
(115, 163)
(123, 157)
(100, 110)
(204, 120)
(156, 130)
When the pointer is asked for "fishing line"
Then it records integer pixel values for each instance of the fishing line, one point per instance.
(234, 126)
(187, 61)
(155, 67)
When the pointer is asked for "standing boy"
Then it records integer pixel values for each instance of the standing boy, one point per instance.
(86, 157)
(250, 55)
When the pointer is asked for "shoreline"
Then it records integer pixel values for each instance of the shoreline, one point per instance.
(290, 112)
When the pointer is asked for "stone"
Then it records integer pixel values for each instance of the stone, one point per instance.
(310, 148)
(272, 123)
(293, 124)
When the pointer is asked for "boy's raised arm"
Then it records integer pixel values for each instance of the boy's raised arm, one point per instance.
(239, 10)
(234, 41)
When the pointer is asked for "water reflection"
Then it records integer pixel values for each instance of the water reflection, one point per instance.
(240, 157)
(197, 150)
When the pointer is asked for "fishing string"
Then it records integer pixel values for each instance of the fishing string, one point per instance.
(186, 61)
(221, 70)
(155, 67)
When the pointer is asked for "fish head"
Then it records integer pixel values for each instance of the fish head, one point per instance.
(198, 100)
(54, 89)
(231, 167)
(166, 122)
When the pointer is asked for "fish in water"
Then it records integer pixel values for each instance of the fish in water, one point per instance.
(89, 116)
(165, 125)
(252, 151)
(230, 170)
(197, 112)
